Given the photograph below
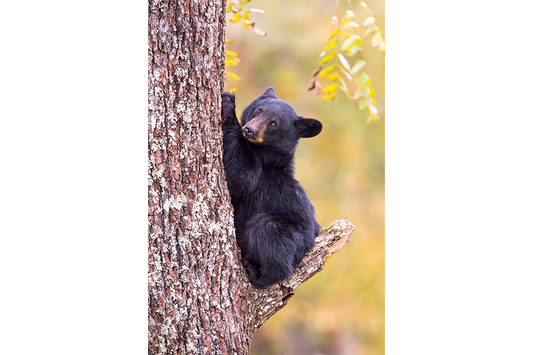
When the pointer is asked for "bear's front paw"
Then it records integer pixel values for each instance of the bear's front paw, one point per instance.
(228, 96)
(228, 105)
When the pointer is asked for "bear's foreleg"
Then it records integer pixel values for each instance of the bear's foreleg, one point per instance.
(242, 168)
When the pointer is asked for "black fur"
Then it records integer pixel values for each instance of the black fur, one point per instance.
(274, 218)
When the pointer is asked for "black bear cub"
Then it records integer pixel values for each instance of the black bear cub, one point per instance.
(274, 219)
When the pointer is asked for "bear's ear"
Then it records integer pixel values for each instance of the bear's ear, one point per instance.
(307, 127)
(269, 93)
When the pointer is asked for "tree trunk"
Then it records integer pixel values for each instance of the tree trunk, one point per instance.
(200, 301)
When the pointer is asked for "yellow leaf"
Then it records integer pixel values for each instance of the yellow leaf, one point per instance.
(233, 76)
(329, 89)
(332, 77)
(236, 17)
(234, 54)
(328, 57)
(247, 24)
(331, 45)
(333, 34)
(353, 50)
(231, 61)
(344, 35)
(351, 41)
(326, 71)
(329, 97)
(232, 90)
(386, 45)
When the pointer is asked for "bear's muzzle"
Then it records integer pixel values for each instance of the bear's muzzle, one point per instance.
(255, 129)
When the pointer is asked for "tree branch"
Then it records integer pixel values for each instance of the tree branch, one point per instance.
(330, 240)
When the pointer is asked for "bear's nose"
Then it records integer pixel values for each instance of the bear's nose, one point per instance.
(248, 132)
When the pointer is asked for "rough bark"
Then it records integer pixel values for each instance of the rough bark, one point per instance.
(200, 301)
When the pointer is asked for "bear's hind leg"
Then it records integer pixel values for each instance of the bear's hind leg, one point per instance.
(272, 246)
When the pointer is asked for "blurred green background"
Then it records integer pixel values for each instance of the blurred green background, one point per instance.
(341, 310)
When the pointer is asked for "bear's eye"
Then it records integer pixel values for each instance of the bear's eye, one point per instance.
(273, 123)
(259, 110)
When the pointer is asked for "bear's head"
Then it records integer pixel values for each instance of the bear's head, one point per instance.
(271, 122)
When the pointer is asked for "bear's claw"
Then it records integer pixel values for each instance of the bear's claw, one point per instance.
(228, 96)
